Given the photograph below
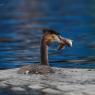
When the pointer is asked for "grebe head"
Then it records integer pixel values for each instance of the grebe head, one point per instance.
(52, 36)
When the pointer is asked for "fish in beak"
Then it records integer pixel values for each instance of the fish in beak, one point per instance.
(64, 42)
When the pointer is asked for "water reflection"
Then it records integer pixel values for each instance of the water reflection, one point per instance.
(21, 24)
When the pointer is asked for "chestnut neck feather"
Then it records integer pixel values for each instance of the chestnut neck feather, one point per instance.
(44, 53)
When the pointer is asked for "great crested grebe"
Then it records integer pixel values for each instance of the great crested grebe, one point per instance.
(48, 37)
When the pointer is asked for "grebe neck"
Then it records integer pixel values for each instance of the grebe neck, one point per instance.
(44, 53)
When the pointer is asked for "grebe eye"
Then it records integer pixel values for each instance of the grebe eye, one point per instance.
(53, 36)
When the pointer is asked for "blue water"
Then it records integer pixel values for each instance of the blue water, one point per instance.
(21, 24)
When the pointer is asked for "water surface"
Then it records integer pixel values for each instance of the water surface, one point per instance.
(21, 24)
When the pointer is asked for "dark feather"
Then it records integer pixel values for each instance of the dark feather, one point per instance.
(50, 31)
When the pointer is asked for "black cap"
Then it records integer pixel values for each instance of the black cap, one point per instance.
(50, 31)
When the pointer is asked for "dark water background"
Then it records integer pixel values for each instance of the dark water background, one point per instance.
(21, 24)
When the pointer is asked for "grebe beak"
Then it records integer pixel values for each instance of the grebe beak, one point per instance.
(64, 42)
